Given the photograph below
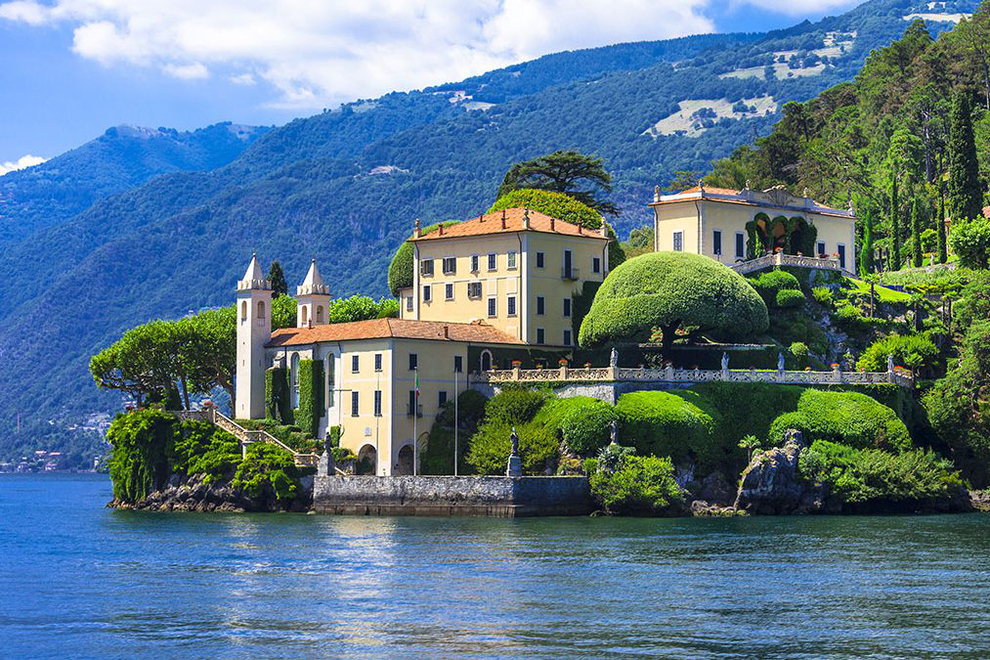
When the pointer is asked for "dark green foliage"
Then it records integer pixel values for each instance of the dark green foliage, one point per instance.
(538, 431)
(970, 240)
(400, 270)
(915, 352)
(849, 418)
(789, 298)
(870, 479)
(964, 189)
(640, 485)
(866, 251)
(895, 227)
(201, 448)
(943, 254)
(916, 246)
(141, 443)
(747, 408)
(515, 405)
(555, 204)
(672, 291)
(267, 471)
(311, 405)
(438, 456)
(769, 283)
(586, 428)
(564, 172)
(278, 403)
(276, 278)
(361, 308)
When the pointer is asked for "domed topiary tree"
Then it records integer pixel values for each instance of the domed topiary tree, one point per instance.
(400, 271)
(672, 291)
(563, 207)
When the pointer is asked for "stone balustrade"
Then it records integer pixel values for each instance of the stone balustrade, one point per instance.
(245, 436)
(777, 259)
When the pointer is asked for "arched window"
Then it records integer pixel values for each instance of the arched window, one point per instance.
(319, 314)
(295, 380)
(330, 381)
(304, 316)
(486, 360)
(244, 313)
(261, 309)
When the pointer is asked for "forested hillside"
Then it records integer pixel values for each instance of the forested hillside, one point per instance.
(345, 186)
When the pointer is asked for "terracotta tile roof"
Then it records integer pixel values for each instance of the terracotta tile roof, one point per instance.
(478, 332)
(492, 224)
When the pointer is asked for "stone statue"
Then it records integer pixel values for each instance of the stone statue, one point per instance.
(725, 361)
(613, 359)
(515, 462)
(326, 466)
(613, 431)
(514, 439)
(890, 364)
(780, 361)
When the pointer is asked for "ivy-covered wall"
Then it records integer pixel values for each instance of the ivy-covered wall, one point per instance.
(278, 404)
(311, 406)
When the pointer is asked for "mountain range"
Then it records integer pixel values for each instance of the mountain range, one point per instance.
(140, 224)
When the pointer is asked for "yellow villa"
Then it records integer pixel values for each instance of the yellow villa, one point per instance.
(497, 284)
(731, 226)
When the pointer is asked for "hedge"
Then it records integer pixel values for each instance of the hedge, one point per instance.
(671, 291)
(849, 418)
(641, 485)
(278, 403)
(789, 298)
(747, 409)
(586, 427)
(438, 455)
(266, 471)
(912, 351)
(311, 406)
(400, 270)
(680, 425)
(770, 283)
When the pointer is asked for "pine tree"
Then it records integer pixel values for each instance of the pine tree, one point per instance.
(916, 254)
(943, 254)
(965, 196)
(895, 228)
(866, 253)
(277, 280)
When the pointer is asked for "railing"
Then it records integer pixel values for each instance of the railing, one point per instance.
(781, 259)
(571, 274)
(672, 375)
(409, 410)
(245, 436)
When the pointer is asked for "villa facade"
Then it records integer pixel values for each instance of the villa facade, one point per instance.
(732, 226)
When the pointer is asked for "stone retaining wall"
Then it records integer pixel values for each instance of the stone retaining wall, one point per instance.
(503, 497)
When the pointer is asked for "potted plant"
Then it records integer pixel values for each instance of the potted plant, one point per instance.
(516, 364)
(562, 362)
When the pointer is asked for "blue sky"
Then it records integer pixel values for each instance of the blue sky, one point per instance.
(72, 68)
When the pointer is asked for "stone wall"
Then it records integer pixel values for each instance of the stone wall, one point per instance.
(609, 392)
(452, 496)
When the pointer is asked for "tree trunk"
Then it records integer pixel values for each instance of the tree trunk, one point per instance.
(185, 392)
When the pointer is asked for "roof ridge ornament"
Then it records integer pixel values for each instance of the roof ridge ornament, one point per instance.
(656, 193)
(701, 186)
(417, 230)
(503, 218)
(525, 219)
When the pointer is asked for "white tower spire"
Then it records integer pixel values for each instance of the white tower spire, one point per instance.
(254, 330)
(312, 299)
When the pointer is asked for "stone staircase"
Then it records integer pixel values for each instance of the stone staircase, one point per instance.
(245, 436)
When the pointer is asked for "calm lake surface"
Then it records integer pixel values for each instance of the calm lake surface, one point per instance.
(81, 580)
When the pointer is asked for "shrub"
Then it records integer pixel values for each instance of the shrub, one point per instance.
(586, 428)
(539, 437)
(515, 405)
(437, 457)
(202, 448)
(400, 270)
(789, 298)
(849, 418)
(278, 404)
(970, 240)
(822, 295)
(877, 478)
(771, 283)
(912, 351)
(642, 484)
(672, 291)
(747, 409)
(311, 407)
(680, 425)
(800, 354)
(141, 443)
(267, 469)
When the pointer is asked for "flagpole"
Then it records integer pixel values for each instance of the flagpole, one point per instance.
(455, 420)
(415, 413)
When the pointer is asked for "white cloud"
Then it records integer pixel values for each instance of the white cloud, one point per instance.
(315, 54)
(19, 164)
(800, 7)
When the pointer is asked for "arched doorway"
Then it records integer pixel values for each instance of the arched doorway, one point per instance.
(486, 360)
(405, 462)
(367, 462)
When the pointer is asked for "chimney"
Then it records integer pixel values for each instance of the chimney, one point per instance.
(580, 227)
(503, 218)
(446, 332)
(441, 229)
(553, 223)
(417, 232)
(603, 230)
(525, 221)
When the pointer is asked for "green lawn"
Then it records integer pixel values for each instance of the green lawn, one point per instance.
(883, 293)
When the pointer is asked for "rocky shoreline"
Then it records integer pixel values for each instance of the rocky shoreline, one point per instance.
(194, 494)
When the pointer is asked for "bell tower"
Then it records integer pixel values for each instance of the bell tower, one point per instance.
(254, 330)
(312, 300)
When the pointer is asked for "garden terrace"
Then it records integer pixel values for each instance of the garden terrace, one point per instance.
(779, 259)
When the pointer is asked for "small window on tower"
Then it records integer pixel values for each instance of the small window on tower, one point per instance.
(261, 309)
(244, 310)
(319, 314)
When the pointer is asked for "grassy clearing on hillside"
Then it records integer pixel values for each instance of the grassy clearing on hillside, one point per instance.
(883, 293)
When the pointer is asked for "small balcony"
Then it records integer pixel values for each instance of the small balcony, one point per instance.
(570, 274)
(418, 408)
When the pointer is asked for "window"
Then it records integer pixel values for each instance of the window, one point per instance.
(378, 361)
(567, 306)
(413, 361)
(510, 260)
(842, 255)
(541, 336)
(441, 398)
(304, 316)
(511, 305)
(355, 364)
(568, 265)
(567, 337)
(458, 364)
(319, 314)
(378, 403)
(486, 360)
(427, 294)
(354, 404)
(330, 381)
(541, 304)
(409, 304)
(539, 260)
(821, 248)
(596, 264)
(491, 261)
(449, 265)
(448, 291)
(740, 245)
(474, 263)
(474, 289)
(294, 377)
(492, 307)
(411, 406)
(244, 310)
(678, 241)
(426, 267)
(717, 243)
(261, 309)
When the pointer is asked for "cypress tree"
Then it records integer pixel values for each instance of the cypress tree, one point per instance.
(965, 196)
(895, 228)
(277, 280)
(916, 232)
(943, 254)
(866, 253)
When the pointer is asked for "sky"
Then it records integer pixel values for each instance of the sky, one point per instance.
(70, 69)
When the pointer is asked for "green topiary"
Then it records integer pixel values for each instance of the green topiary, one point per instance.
(310, 410)
(400, 270)
(672, 291)
(641, 485)
(681, 425)
(789, 298)
(771, 283)
(849, 418)
(912, 351)
(515, 405)
(586, 428)
(278, 404)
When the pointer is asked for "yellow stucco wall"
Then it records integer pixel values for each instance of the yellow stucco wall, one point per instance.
(679, 217)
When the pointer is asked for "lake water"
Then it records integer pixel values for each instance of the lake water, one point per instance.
(81, 580)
